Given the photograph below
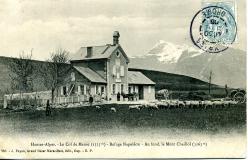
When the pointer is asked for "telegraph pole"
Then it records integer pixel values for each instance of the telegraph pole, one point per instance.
(209, 83)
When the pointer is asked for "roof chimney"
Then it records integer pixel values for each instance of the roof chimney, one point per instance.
(116, 36)
(89, 52)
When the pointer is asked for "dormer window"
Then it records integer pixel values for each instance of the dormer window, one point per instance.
(118, 54)
(73, 76)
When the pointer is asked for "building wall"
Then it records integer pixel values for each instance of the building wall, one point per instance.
(149, 92)
(82, 86)
(114, 75)
(76, 80)
(133, 88)
(96, 89)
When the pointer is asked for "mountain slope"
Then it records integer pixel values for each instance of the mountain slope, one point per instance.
(228, 67)
(181, 85)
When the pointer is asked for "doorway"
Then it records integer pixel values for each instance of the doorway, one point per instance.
(141, 92)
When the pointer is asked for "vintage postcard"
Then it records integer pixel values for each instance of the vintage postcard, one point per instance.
(123, 79)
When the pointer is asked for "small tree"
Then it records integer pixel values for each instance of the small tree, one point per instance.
(54, 71)
(21, 72)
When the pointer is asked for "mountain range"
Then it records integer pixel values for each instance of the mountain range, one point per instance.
(228, 67)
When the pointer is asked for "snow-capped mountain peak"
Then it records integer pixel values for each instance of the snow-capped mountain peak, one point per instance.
(228, 67)
(169, 52)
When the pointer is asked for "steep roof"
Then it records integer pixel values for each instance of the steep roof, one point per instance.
(135, 77)
(90, 74)
(98, 52)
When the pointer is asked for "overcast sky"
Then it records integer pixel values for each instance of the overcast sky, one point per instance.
(44, 25)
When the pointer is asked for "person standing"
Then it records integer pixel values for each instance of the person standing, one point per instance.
(118, 96)
(226, 90)
(48, 109)
(91, 100)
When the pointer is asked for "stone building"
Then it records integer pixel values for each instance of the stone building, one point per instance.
(103, 70)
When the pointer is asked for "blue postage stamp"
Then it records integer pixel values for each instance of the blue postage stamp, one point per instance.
(214, 27)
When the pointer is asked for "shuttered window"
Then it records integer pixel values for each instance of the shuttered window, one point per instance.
(129, 89)
(122, 71)
(97, 89)
(113, 88)
(83, 89)
(122, 88)
(73, 76)
(79, 90)
(118, 75)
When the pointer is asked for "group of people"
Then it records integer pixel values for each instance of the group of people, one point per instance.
(130, 96)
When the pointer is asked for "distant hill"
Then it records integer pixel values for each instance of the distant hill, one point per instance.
(163, 80)
(180, 83)
(5, 79)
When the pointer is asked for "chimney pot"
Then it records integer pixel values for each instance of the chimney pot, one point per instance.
(89, 52)
(116, 36)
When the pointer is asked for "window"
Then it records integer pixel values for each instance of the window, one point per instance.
(122, 71)
(118, 54)
(87, 89)
(118, 75)
(64, 90)
(72, 88)
(102, 89)
(79, 90)
(129, 89)
(82, 89)
(133, 88)
(113, 88)
(122, 88)
(97, 89)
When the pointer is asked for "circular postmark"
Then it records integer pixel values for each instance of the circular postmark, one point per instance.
(213, 29)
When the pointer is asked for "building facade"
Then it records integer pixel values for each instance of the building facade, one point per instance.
(103, 71)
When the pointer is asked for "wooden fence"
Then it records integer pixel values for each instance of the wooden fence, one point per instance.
(40, 98)
(76, 99)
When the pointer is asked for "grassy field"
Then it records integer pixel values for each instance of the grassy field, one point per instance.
(89, 120)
